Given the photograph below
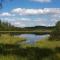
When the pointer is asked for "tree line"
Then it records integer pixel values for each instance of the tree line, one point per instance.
(5, 26)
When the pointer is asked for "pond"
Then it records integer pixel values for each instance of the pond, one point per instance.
(32, 38)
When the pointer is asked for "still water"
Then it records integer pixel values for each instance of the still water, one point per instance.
(32, 38)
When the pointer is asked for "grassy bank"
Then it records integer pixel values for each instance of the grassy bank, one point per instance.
(29, 53)
(40, 32)
(10, 39)
(47, 43)
(41, 50)
(43, 43)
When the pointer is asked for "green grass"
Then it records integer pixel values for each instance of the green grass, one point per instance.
(45, 43)
(11, 57)
(28, 32)
(8, 57)
(8, 39)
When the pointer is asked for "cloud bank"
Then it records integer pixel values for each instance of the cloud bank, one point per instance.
(23, 17)
(24, 11)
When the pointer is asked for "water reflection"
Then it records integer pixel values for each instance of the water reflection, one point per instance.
(32, 38)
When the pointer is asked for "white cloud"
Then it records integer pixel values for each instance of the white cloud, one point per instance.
(56, 15)
(41, 1)
(27, 23)
(24, 11)
(25, 19)
(23, 22)
(18, 24)
(22, 18)
(6, 14)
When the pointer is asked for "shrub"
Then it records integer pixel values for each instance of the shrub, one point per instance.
(55, 35)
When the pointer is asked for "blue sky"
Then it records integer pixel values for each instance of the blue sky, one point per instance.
(27, 13)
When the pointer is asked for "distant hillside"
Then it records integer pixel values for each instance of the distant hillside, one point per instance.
(40, 28)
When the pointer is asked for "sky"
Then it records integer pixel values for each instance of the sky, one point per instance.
(29, 13)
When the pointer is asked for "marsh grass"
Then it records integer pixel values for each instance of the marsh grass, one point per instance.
(47, 43)
(11, 57)
(42, 50)
(10, 39)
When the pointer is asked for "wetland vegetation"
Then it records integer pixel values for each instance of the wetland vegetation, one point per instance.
(47, 48)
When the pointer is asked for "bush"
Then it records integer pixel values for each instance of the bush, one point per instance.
(55, 35)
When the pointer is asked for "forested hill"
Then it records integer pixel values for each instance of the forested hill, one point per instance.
(4, 26)
(41, 27)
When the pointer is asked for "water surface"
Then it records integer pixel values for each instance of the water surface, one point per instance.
(32, 38)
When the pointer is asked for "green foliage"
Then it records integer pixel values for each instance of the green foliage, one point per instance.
(55, 35)
(33, 53)
(5, 26)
